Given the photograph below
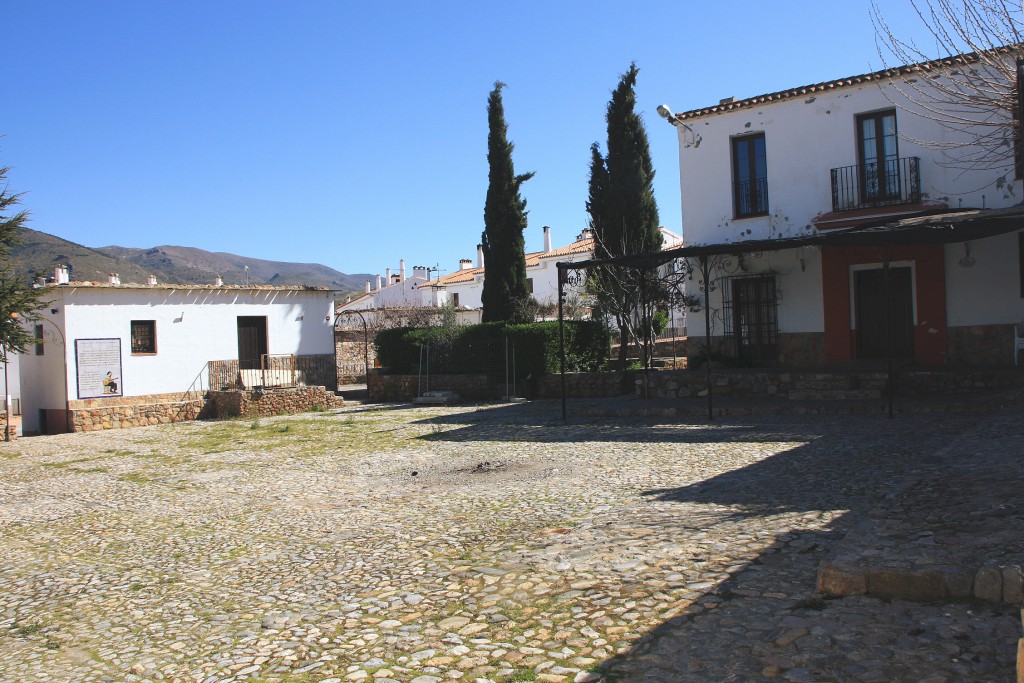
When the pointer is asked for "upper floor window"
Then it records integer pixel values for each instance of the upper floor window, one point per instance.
(879, 157)
(143, 336)
(38, 335)
(749, 176)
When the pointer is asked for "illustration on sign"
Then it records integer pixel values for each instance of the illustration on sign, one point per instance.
(98, 367)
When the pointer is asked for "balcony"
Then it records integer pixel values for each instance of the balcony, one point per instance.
(886, 183)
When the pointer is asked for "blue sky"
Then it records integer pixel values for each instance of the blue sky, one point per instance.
(354, 134)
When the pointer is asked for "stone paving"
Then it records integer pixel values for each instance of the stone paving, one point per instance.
(475, 544)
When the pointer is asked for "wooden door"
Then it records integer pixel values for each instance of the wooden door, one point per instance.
(870, 310)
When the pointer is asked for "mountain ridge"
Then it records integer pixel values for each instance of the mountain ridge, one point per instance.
(36, 253)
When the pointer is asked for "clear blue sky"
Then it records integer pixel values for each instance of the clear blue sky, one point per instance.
(353, 134)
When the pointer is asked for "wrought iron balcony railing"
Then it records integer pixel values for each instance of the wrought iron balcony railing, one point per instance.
(896, 181)
(750, 197)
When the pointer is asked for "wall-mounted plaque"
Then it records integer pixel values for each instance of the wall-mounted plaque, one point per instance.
(98, 365)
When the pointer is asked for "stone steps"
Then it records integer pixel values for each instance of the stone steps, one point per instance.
(835, 395)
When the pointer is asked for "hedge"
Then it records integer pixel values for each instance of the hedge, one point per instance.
(480, 349)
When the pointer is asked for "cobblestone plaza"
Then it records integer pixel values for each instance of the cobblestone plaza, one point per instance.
(488, 543)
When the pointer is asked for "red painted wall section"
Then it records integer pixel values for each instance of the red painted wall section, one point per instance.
(929, 289)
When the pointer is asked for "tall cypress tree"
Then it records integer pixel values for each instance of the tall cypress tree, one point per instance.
(623, 211)
(18, 299)
(505, 289)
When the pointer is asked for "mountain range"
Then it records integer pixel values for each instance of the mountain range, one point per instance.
(37, 253)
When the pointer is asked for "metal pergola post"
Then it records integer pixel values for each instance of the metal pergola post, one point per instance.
(561, 332)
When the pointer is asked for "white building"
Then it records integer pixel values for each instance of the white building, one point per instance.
(112, 344)
(395, 291)
(464, 287)
(832, 169)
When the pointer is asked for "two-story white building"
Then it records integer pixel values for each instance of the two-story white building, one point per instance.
(827, 209)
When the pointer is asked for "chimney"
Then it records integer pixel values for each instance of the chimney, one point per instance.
(585, 235)
(378, 282)
(479, 256)
(547, 240)
(60, 275)
(113, 279)
(420, 271)
(367, 286)
(401, 270)
(151, 280)
(395, 279)
(465, 264)
(387, 276)
(218, 281)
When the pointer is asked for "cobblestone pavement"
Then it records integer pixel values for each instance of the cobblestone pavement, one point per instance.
(475, 544)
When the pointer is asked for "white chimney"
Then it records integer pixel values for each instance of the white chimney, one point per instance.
(378, 282)
(465, 264)
(218, 281)
(387, 276)
(113, 279)
(479, 256)
(420, 271)
(151, 280)
(60, 275)
(547, 240)
(367, 286)
(401, 270)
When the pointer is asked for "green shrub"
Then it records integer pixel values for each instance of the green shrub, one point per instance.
(474, 348)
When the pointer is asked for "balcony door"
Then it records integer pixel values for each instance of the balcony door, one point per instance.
(879, 157)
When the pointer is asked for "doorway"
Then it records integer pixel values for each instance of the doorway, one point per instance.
(870, 307)
(252, 341)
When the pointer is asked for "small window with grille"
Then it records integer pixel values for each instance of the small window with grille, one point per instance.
(143, 336)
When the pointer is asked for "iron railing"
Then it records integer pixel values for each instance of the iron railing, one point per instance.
(751, 197)
(896, 181)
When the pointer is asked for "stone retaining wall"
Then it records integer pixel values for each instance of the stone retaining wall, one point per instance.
(980, 345)
(134, 411)
(403, 388)
(585, 385)
(284, 401)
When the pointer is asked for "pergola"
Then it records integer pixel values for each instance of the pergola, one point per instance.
(938, 227)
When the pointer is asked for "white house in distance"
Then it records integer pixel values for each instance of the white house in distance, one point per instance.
(395, 291)
(107, 344)
(464, 287)
(803, 196)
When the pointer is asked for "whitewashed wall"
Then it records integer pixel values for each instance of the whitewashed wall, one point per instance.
(193, 326)
(969, 299)
(806, 137)
(406, 294)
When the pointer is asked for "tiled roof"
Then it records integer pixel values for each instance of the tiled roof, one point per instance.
(921, 68)
(583, 246)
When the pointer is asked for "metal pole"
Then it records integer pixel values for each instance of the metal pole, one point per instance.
(888, 327)
(561, 334)
(7, 403)
(707, 330)
(644, 323)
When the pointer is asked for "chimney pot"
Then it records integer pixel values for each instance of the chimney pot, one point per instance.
(479, 256)
(547, 240)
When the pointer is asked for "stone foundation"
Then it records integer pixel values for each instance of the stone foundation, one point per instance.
(351, 351)
(404, 388)
(980, 345)
(132, 411)
(285, 401)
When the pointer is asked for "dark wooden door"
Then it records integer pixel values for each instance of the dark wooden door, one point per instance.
(755, 324)
(252, 341)
(870, 310)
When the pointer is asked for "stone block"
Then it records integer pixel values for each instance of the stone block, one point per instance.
(833, 580)
(906, 585)
(1012, 585)
(988, 584)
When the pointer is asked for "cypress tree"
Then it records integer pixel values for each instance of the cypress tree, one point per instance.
(18, 299)
(623, 211)
(505, 289)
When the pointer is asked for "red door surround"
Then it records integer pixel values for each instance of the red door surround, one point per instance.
(930, 293)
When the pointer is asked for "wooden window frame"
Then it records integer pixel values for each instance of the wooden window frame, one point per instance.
(756, 210)
(884, 185)
(38, 334)
(149, 350)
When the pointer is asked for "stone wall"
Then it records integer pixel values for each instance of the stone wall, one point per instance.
(403, 388)
(281, 401)
(980, 345)
(585, 385)
(133, 411)
(350, 352)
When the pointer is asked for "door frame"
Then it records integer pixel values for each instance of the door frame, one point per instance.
(854, 269)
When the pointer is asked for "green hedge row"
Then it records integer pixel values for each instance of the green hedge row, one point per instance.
(480, 349)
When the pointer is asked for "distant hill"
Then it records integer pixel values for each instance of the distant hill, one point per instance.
(38, 252)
